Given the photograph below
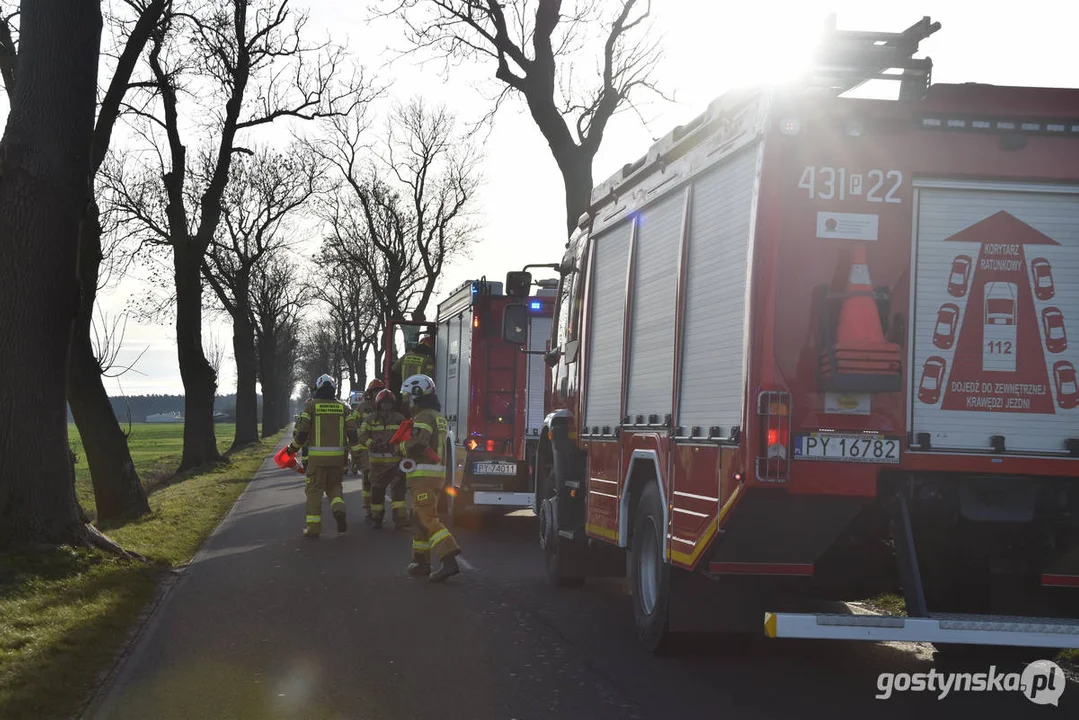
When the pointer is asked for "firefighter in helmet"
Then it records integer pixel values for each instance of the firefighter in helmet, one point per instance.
(376, 431)
(360, 459)
(425, 450)
(327, 422)
(419, 361)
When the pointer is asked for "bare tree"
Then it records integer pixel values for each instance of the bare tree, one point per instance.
(276, 303)
(531, 45)
(397, 218)
(353, 316)
(45, 167)
(264, 193)
(252, 66)
(118, 492)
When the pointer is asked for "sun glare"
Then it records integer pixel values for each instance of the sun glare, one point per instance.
(714, 45)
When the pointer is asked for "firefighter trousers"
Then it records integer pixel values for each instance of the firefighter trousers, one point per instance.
(321, 480)
(386, 477)
(428, 532)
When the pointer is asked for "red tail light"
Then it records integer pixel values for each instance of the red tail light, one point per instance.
(773, 411)
(490, 446)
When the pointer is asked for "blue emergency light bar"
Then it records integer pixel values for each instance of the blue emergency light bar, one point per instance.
(536, 305)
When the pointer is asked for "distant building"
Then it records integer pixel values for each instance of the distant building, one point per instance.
(172, 417)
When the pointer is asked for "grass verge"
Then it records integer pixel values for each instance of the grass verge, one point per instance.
(155, 448)
(890, 604)
(67, 612)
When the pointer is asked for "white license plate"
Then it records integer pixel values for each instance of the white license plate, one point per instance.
(495, 468)
(846, 448)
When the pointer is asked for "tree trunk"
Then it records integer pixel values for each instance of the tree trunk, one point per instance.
(118, 493)
(274, 405)
(44, 188)
(243, 347)
(577, 178)
(200, 380)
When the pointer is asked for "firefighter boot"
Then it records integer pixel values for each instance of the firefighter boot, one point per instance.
(419, 567)
(310, 534)
(342, 523)
(449, 567)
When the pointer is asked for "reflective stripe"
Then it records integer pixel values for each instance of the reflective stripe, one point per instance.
(391, 456)
(398, 504)
(378, 508)
(337, 501)
(439, 536)
(315, 519)
(327, 453)
(304, 415)
(318, 448)
(381, 427)
(422, 426)
(421, 545)
(367, 493)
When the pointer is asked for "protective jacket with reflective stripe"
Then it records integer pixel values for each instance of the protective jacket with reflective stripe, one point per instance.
(429, 430)
(324, 427)
(379, 427)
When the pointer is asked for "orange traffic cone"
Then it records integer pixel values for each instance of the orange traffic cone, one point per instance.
(860, 348)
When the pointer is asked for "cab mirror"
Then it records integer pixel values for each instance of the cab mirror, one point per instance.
(518, 283)
(515, 324)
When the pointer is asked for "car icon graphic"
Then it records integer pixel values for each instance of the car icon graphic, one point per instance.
(957, 281)
(1053, 324)
(932, 380)
(1067, 388)
(947, 322)
(1043, 279)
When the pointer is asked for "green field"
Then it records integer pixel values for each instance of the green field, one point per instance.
(155, 450)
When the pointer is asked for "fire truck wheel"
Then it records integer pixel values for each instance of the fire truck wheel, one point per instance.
(650, 576)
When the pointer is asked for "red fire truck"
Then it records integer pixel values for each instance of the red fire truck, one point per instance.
(765, 373)
(492, 395)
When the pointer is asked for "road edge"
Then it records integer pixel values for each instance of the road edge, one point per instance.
(102, 696)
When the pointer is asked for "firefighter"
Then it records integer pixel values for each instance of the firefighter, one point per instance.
(325, 420)
(420, 361)
(425, 480)
(376, 431)
(366, 406)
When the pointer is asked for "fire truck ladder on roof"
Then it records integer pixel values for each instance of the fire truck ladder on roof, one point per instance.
(847, 59)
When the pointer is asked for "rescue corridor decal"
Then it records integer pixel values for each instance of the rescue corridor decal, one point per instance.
(999, 362)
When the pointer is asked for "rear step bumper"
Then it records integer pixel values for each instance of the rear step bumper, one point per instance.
(937, 628)
(508, 499)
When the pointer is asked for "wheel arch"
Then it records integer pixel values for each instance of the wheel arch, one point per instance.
(643, 469)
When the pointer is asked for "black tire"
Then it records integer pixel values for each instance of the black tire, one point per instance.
(650, 575)
(554, 546)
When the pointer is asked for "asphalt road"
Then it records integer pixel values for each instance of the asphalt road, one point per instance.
(267, 624)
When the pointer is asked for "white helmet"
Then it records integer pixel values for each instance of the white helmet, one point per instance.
(418, 386)
(325, 380)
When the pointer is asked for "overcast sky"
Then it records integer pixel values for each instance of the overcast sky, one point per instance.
(710, 46)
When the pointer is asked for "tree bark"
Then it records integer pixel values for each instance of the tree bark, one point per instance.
(118, 493)
(243, 347)
(44, 188)
(576, 172)
(199, 378)
(272, 384)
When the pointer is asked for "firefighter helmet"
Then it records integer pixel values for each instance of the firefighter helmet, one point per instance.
(384, 396)
(428, 341)
(418, 386)
(376, 384)
(325, 380)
